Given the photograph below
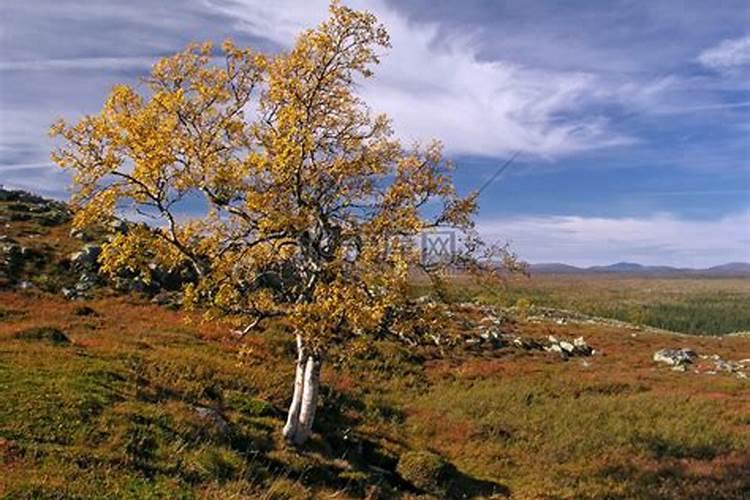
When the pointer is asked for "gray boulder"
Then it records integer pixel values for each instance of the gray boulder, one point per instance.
(87, 257)
(675, 357)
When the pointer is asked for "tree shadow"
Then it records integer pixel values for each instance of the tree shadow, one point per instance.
(372, 460)
(466, 486)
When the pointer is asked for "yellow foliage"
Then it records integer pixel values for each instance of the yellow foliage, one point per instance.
(313, 207)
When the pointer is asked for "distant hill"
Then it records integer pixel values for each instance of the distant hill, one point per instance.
(730, 269)
(555, 268)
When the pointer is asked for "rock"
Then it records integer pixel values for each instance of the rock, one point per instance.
(426, 471)
(11, 255)
(86, 281)
(79, 234)
(528, 344)
(726, 366)
(675, 357)
(424, 299)
(679, 368)
(554, 348)
(69, 293)
(118, 226)
(214, 418)
(87, 257)
(567, 347)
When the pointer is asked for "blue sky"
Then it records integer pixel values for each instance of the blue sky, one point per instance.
(631, 119)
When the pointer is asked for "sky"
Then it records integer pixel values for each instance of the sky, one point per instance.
(629, 120)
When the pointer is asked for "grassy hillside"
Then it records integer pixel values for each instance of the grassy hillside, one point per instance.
(135, 403)
(115, 396)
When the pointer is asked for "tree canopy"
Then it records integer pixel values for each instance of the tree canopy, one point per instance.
(312, 205)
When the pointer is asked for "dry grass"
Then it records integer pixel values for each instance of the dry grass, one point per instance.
(111, 411)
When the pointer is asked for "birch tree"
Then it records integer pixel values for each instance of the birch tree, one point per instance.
(309, 204)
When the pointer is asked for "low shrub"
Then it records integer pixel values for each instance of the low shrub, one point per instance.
(44, 333)
(426, 471)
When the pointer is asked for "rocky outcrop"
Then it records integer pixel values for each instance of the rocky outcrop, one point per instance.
(685, 360)
(477, 327)
(24, 206)
(675, 357)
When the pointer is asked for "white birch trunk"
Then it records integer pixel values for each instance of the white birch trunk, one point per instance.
(292, 425)
(309, 399)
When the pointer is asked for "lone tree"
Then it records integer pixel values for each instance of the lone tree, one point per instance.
(310, 206)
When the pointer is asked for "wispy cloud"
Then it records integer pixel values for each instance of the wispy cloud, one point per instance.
(436, 86)
(728, 55)
(657, 239)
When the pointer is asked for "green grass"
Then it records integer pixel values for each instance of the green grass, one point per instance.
(703, 306)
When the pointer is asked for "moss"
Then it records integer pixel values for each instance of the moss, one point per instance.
(426, 471)
(248, 405)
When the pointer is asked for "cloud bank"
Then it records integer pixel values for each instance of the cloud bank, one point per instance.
(435, 85)
(661, 239)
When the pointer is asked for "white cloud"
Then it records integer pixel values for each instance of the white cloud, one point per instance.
(657, 239)
(728, 55)
(438, 86)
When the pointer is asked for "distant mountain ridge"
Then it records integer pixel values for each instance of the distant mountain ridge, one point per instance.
(729, 269)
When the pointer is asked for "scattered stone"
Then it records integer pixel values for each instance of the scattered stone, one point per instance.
(528, 344)
(675, 357)
(214, 418)
(679, 359)
(567, 346)
(554, 348)
(578, 347)
(727, 366)
(86, 258)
